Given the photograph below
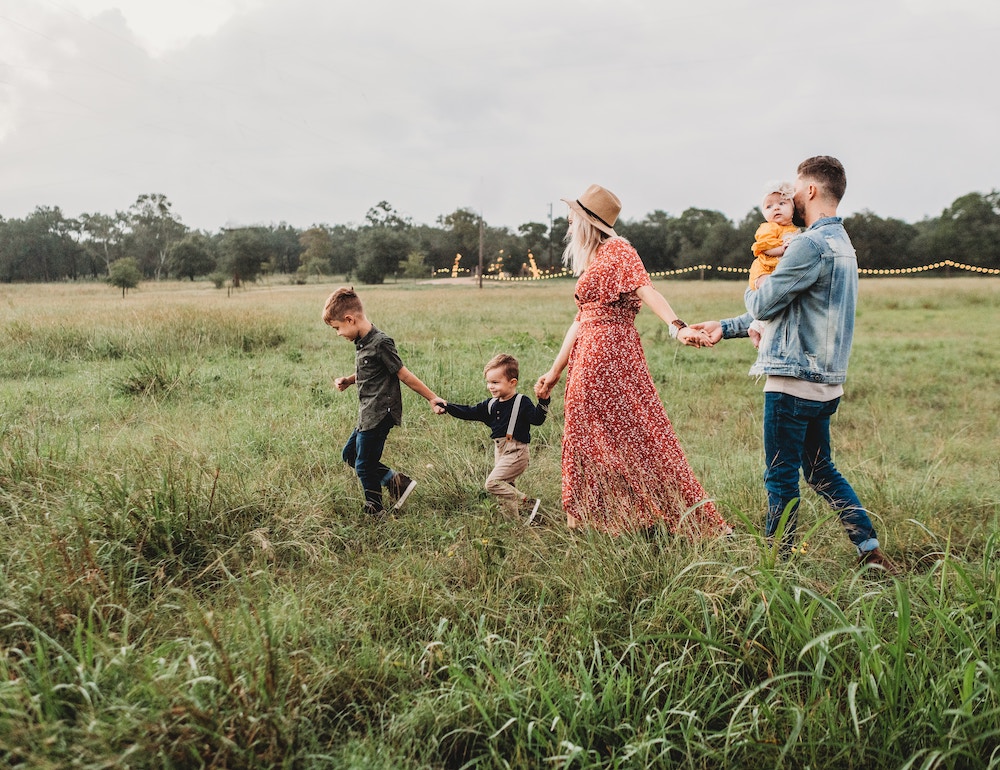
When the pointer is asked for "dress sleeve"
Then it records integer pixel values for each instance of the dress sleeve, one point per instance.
(621, 271)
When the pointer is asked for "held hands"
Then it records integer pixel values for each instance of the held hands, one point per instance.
(711, 329)
(438, 404)
(543, 388)
(695, 337)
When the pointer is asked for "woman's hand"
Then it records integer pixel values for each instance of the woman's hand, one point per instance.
(696, 338)
(543, 388)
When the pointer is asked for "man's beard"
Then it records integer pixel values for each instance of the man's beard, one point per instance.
(798, 217)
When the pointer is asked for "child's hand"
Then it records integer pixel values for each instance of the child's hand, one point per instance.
(438, 405)
(542, 388)
(343, 383)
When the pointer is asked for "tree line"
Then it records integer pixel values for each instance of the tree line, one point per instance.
(48, 246)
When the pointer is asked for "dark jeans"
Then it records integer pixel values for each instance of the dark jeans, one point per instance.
(797, 436)
(363, 452)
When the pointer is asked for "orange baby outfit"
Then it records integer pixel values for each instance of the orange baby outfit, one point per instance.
(768, 236)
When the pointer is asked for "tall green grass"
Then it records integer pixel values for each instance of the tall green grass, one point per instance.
(186, 579)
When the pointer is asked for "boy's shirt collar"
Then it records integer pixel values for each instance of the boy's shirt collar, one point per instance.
(360, 342)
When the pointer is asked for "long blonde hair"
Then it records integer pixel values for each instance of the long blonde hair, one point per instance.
(582, 241)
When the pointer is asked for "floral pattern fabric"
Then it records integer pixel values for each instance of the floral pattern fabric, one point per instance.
(623, 468)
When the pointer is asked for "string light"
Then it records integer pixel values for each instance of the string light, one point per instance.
(537, 275)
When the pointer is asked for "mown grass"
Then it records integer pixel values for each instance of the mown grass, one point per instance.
(186, 579)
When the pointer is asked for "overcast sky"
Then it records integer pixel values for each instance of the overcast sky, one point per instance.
(313, 111)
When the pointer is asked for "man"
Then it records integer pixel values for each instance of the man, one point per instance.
(809, 300)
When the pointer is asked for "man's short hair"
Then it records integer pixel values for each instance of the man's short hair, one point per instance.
(828, 172)
(503, 361)
(341, 303)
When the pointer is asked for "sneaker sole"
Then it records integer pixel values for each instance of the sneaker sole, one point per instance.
(406, 494)
(534, 512)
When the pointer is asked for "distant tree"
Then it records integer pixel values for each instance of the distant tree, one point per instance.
(316, 246)
(560, 226)
(435, 244)
(191, 256)
(125, 274)
(382, 214)
(535, 236)
(414, 265)
(103, 237)
(153, 228)
(969, 230)
(700, 234)
(462, 226)
(41, 247)
(343, 244)
(286, 248)
(380, 250)
(382, 244)
(314, 266)
(243, 252)
(653, 238)
(881, 243)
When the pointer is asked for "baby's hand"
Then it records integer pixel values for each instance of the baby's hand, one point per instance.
(754, 337)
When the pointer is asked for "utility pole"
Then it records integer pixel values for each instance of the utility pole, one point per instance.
(550, 235)
(480, 250)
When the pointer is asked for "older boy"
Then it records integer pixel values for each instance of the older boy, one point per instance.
(378, 372)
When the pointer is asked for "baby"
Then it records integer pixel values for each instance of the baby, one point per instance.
(771, 238)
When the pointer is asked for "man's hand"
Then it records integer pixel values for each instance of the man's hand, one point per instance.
(696, 338)
(712, 329)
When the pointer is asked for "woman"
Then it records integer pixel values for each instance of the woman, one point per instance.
(622, 466)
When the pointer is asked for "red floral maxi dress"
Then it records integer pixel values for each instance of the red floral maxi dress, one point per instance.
(622, 466)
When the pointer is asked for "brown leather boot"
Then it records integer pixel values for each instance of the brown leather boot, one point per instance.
(875, 558)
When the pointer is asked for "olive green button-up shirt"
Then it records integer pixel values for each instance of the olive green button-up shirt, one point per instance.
(376, 369)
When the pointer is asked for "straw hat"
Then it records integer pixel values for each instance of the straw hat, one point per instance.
(598, 206)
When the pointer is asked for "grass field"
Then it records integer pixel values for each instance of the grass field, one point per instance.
(186, 579)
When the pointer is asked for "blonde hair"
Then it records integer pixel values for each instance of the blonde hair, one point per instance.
(344, 301)
(582, 241)
(505, 362)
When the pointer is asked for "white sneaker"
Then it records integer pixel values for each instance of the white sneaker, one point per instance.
(400, 487)
(533, 516)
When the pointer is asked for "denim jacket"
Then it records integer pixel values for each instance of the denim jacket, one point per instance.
(809, 303)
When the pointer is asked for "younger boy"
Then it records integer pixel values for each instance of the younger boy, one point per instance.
(509, 415)
(378, 372)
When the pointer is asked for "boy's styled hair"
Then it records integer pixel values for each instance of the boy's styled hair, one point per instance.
(342, 302)
(829, 172)
(505, 362)
(785, 189)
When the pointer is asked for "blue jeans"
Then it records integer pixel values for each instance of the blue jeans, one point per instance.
(363, 452)
(797, 436)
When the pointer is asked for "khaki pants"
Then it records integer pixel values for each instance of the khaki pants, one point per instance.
(510, 460)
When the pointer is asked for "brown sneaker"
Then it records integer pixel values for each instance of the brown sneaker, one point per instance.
(875, 558)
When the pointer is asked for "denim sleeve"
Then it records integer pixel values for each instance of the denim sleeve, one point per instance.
(795, 273)
(736, 327)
